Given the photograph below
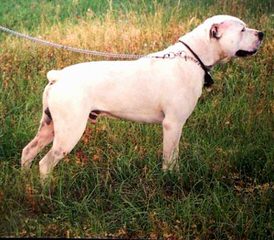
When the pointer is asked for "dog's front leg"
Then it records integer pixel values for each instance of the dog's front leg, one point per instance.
(172, 129)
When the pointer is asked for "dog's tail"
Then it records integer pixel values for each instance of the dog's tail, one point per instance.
(53, 76)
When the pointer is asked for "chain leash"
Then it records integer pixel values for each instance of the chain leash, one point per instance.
(169, 55)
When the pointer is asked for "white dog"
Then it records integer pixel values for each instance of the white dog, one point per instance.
(162, 88)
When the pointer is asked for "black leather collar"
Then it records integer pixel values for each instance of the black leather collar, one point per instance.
(208, 81)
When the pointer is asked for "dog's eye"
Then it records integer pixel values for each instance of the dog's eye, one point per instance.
(243, 30)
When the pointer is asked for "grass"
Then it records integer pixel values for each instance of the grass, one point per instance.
(112, 185)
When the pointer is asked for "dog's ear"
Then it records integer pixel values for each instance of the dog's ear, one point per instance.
(216, 31)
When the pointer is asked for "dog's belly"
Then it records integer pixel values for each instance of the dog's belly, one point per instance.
(156, 117)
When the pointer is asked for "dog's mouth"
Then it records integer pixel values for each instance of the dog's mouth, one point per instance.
(243, 53)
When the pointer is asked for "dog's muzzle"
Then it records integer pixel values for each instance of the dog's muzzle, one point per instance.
(244, 53)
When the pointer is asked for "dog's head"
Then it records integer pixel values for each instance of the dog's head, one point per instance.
(232, 37)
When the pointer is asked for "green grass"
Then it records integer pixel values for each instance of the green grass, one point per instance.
(111, 185)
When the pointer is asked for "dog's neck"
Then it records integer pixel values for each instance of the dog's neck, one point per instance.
(199, 41)
(201, 44)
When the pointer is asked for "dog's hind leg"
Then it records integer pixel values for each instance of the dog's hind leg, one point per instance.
(43, 137)
(67, 132)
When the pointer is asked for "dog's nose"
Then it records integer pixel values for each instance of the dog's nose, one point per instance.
(260, 36)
